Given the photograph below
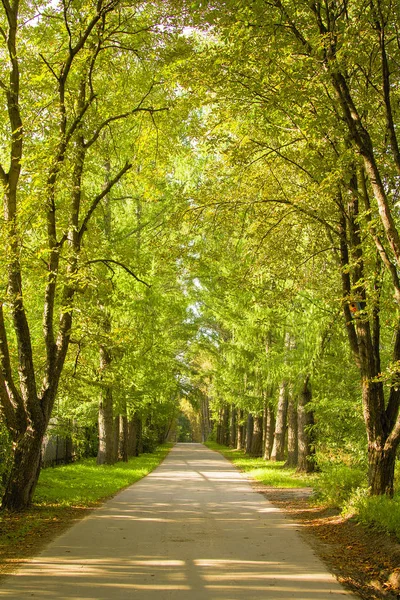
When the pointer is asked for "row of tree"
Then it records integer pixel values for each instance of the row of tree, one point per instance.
(200, 202)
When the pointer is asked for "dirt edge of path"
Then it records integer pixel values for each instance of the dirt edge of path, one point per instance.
(365, 561)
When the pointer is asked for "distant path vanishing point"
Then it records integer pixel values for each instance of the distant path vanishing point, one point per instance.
(194, 529)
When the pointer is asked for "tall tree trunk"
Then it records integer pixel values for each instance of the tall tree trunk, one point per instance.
(205, 418)
(220, 428)
(291, 460)
(105, 454)
(381, 467)
(269, 431)
(278, 449)
(240, 443)
(133, 431)
(116, 436)
(257, 439)
(233, 428)
(249, 432)
(123, 438)
(25, 471)
(225, 425)
(305, 421)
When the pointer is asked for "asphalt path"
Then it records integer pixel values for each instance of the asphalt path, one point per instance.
(194, 529)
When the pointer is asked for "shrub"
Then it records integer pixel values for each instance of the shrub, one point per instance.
(380, 512)
(338, 482)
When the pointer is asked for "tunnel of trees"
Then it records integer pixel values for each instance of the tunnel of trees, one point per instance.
(201, 231)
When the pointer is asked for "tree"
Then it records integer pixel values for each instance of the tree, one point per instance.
(51, 192)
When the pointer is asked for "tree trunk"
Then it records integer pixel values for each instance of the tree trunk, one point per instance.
(25, 471)
(257, 439)
(240, 443)
(139, 438)
(278, 449)
(305, 421)
(292, 456)
(133, 429)
(225, 425)
(381, 467)
(233, 428)
(106, 451)
(249, 432)
(219, 428)
(269, 430)
(205, 418)
(123, 438)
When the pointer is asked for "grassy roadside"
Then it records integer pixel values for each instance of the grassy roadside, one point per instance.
(64, 495)
(267, 473)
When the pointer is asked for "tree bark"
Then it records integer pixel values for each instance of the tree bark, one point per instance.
(24, 472)
(305, 419)
(278, 449)
(381, 468)
(123, 438)
(292, 455)
(269, 430)
(233, 428)
(225, 425)
(249, 432)
(240, 443)
(257, 439)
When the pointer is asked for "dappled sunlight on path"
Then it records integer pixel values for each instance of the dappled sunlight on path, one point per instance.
(193, 529)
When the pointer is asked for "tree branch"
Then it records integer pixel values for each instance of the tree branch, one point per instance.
(105, 261)
(100, 196)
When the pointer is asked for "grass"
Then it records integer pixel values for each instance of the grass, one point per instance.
(272, 474)
(63, 495)
(85, 483)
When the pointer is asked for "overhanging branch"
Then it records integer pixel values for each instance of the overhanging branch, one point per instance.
(107, 261)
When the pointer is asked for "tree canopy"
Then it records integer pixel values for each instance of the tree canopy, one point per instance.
(200, 209)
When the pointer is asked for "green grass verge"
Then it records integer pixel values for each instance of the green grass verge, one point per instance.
(85, 483)
(272, 474)
(63, 495)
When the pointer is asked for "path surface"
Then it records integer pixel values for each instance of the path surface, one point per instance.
(194, 529)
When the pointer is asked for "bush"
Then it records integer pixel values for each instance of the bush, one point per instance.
(380, 512)
(338, 483)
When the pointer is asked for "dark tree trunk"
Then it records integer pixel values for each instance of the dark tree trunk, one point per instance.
(123, 438)
(220, 428)
(257, 439)
(139, 438)
(278, 449)
(269, 431)
(381, 469)
(305, 421)
(249, 432)
(225, 425)
(25, 470)
(205, 418)
(106, 454)
(233, 428)
(240, 443)
(116, 436)
(292, 456)
(132, 435)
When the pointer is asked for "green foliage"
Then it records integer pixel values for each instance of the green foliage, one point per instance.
(338, 482)
(380, 512)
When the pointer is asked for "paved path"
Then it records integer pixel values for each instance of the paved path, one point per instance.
(194, 529)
